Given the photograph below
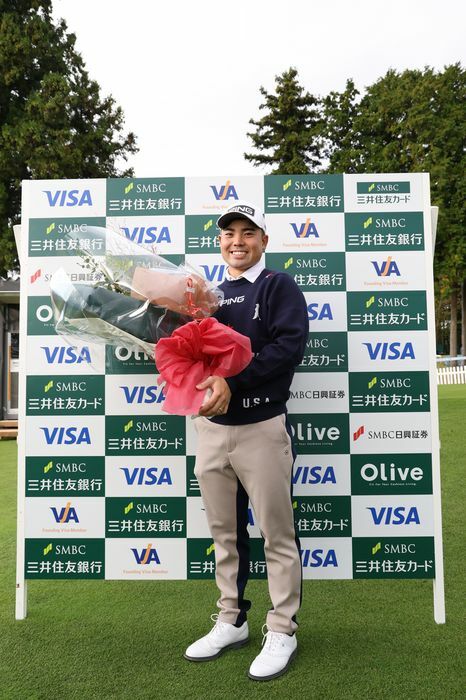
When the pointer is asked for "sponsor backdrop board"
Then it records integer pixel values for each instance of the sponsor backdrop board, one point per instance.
(107, 487)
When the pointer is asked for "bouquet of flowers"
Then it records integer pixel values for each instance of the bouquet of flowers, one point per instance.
(139, 298)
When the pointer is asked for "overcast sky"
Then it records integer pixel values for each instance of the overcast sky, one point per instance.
(187, 73)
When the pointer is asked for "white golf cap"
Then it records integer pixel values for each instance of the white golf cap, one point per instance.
(242, 210)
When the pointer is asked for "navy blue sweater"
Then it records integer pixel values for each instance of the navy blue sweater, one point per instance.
(272, 312)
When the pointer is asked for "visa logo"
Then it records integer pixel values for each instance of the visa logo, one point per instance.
(146, 556)
(148, 477)
(69, 198)
(390, 351)
(386, 268)
(226, 191)
(394, 516)
(149, 234)
(66, 355)
(314, 475)
(305, 230)
(143, 394)
(318, 557)
(315, 312)
(66, 436)
(216, 273)
(65, 515)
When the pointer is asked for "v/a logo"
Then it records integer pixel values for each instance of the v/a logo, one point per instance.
(305, 230)
(146, 556)
(214, 273)
(386, 268)
(64, 515)
(224, 192)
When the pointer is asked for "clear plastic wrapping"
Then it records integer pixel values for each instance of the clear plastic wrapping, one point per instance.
(138, 296)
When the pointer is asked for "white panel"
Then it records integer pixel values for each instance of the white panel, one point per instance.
(326, 311)
(385, 194)
(65, 517)
(153, 475)
(385, 272)
(305, 233)
(51, 355)
(212, 195)
(400, 516)
(76, 435)
(137, 394)
(66, 198)
(326, 557)
(388, 351)
(322, 475)
(164, 235)
(125, 559)
(306, 392)
(383, 433)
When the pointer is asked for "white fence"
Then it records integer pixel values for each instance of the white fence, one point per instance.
(451, 375)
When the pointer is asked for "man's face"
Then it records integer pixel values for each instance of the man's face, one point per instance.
(242, 245)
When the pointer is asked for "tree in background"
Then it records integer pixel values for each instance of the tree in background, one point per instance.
(413, 121)
(340, 140)
(53, 121)
(285, 136)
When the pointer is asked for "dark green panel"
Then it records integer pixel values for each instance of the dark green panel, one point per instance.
(141, 517)
(65, 558)
(303, 193)
(389, 392)
(393, 557)
(145, 196)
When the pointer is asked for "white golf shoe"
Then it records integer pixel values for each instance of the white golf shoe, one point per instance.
(221, 637)
(278, 651)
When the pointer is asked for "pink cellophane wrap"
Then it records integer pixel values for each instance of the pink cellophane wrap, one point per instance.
(194, 352)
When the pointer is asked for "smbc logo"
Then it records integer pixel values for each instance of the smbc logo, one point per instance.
(377, 187)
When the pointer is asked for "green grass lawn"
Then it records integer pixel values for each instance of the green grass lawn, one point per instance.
(125, 639)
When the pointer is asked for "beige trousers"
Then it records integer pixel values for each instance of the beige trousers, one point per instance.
(255, 460)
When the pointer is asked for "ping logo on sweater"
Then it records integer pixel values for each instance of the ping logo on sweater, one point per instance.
(232, 300)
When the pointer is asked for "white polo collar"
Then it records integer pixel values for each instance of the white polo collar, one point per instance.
(251, 274)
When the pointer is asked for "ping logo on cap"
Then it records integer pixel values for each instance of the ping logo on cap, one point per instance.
(241, 209)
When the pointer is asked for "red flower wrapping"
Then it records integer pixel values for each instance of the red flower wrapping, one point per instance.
(194, 352)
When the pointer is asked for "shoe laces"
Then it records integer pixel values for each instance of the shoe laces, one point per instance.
(271, 641)
(219, 626)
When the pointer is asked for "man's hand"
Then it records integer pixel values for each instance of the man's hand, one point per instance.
(217, 404)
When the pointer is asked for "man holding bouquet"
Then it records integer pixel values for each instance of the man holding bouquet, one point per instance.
(245, 450)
